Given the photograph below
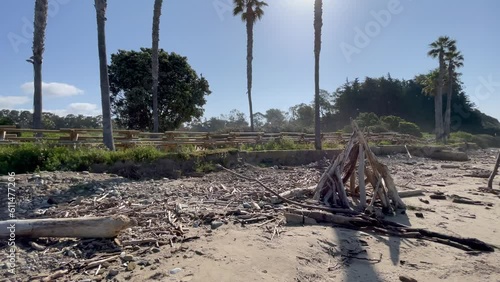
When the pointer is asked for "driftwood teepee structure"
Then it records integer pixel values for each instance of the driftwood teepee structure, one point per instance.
(358, 159)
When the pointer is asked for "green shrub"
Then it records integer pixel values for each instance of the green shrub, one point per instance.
(411, 128)
(391, 122)
(367, 119)
(31, 157)
(347, 129)
(462, 136)
(486, 141)
(378, 128)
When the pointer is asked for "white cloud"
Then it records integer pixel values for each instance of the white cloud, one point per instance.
(85, 109)
(53, 89)
(7, 102)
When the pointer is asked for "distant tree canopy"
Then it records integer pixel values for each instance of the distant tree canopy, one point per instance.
(181, 93)
(377, 103)
(386, 96)
(24, 119)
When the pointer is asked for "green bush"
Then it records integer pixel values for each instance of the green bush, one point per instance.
(31, 157)
(347, 129)
(378, 128)
(411, 128)
(486, 141)
(392, 122)
(462, 136)
(367, 119)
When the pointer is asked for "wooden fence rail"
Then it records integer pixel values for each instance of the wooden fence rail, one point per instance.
(130, 138)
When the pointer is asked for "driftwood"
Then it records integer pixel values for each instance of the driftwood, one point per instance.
(86, 227)
(333, 210)
(297, 192)
(331, 186)
(412, 193)
(365, 223)
(494, 172)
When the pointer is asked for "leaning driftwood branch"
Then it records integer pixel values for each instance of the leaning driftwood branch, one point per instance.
(366, 223)
(86, 227)
(494, 172)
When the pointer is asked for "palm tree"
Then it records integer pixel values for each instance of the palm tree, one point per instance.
(318, 23)
(438, 50)
(455, 60)
(154, 58)
(251, 11)
(40, 24)
(100, 8)
(429, 82)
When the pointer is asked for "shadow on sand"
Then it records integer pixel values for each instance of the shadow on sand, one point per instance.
(358, 264)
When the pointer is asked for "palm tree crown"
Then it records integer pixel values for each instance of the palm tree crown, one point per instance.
(249, 9)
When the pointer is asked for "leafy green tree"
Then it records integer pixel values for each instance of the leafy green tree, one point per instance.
(259, 120)
(237, 120)
(250, 11)
(181, 92)
(275, 120)
(302, 116)
(6, 121)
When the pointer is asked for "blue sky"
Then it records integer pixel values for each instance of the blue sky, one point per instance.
(360, 38)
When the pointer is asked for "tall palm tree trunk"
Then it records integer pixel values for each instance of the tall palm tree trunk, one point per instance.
(447, 115)
(438, 101)
(40, 24)
(155, 63)
(318, 23)
(100, 6)
(250, 22)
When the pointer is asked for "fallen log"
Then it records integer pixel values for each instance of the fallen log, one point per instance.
(367, 224)
(468, 202)
(297, 192)
(86, 227)
(412, 193)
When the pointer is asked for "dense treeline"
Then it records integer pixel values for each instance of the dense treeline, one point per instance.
(384, 96)
(24, 119)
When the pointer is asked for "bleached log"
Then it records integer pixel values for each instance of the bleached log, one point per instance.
(86, 227)
(297, 192)
(305, 216)
(329, 171)
(341, 190)
(361, 177)
(352, 184)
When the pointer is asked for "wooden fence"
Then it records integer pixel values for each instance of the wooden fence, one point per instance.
(169, 139)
